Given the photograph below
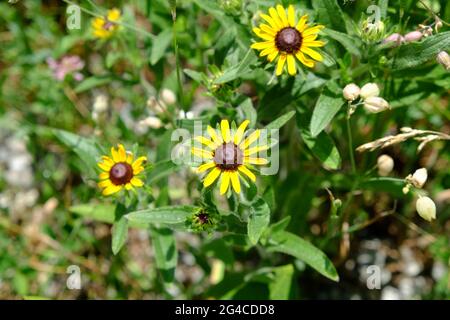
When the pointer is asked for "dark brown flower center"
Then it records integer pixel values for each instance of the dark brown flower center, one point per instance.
(228, 156)
(121, 173)
(203, 218)
(288, 40)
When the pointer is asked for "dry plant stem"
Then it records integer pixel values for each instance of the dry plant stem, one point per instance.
(81, 108)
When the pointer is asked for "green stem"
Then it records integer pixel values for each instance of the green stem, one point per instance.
(177, 56)
(350, 145)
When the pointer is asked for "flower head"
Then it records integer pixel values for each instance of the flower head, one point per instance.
(105, 27)
(67, 65)
(120, 171)
(426, 208)
(287, 40)
(229, 155)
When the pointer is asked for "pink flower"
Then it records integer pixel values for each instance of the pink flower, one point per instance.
(67, 65)
(395, 39)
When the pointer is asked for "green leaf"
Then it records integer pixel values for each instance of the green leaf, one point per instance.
(415, 54)
(161, 170)
(249, 112)
(280, 287)
(99, 212)
(281, 121)
(160, 45)
(329, 14)
(288, 243)
(92, 82)
(327, 106)
(258, 220)
(84, 147)
(164, 215)
(166, 254)
(119, 234)
(238, 70)
(351, 44)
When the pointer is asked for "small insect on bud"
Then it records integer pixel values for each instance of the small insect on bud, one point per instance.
(426, 208)
(370, 90)
(444, 59)
(351, 92)
(419, 178)
(375, 104)
(396, 39)
(168, 96)
(385, 165)
(413, 36)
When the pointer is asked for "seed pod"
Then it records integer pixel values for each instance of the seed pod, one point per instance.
(413, 36)
(444, 59)
(351, 92)
(369, 90)
(419, 177)
(375, 104)
(385, 165)
(426, 208)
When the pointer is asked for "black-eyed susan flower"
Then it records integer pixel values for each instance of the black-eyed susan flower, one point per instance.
(227, 154)
(287, 39)
(120, 171)
(105, 27)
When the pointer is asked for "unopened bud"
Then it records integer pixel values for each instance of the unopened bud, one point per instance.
(395, 38)
(444, 59)
(168, 96)
(351, 92)
(413, 36)
(372, 32)
(369, 90)
(426, 208)
(375, 104)
(152, 122)
(419, 178)
(385, 165)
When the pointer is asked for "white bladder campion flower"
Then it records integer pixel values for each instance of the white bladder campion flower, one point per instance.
(351, 92)
(426, 208)
(385, 165)
(370, 90)
(413, 36)
(375, 104)
(168, 96)
(444, 59)
(418, 178)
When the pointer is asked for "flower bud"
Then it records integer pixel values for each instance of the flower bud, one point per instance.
(438, 24)
(372, 32)
(419, 177)
(385, 165)
(351, 92)
(168, 96)
(370, 90)
(444, 59)
(426, 208)
(375, 104)
(395, 38)
(413, 36)
(152, 122)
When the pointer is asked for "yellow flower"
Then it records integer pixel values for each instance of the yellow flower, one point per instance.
(227, 154)
(120, 171)
(287, 39)
(105, 27)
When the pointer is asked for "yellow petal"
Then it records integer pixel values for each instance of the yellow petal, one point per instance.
(263, 35)
(292, 70)
(104, 184)
(250, 139)
(240, 132)
(108, 161)
(235, 181)
(247, 172)
(104, 166)
(268, 29)
(113, 15)
(282, 15)
(103, 175)
(301, 25)
(272, 23)
(257, 161)
(115, 155)
(309, 38)
(224, 184)
(137, 182)
(307, 62)
(205, 167)
(268, 51)
(291, 15)
(207, 142)
(122, 153)
(111, 189)
(313, 54)
(254, 150)
(225, 128)
(312, 30)
(274, 15)
(202, 153)
(214, 136)
(138, 162)
(280, 65)
(137, 170)
(272, 56)
(129, 158)
(262, 45)
(211, 177)
(128, 186)
(317, 43)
